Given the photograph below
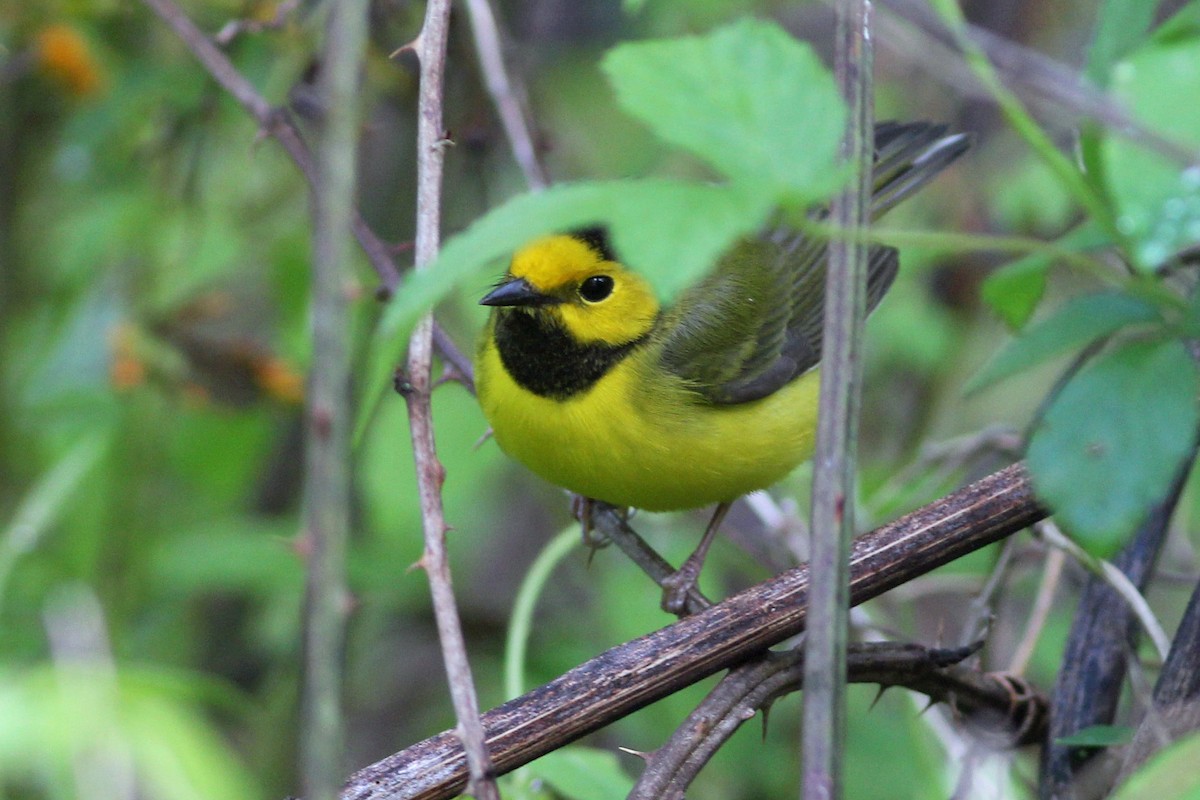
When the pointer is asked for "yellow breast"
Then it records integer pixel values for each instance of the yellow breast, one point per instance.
(639, 438)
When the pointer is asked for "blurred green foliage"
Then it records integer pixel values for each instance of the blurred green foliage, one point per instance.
(153, 343)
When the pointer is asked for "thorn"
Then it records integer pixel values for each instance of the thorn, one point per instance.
(413, 47)
(766, 709)
(642, 754)
(480, 441)
(878, 695)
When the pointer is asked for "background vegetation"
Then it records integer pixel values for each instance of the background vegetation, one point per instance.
(154, 296)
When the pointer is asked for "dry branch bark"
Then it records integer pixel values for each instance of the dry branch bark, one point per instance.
(630, 676)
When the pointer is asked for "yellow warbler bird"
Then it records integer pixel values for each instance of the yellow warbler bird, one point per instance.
(587, 381)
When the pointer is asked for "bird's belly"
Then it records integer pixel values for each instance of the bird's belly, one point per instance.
(658, 451)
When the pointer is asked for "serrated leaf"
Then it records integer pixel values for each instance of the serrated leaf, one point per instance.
(1157, 203)
(583, 773)
(749, 99)
(1112, 440)
(1171, 774)
(1097, 736)
(670, 231)
(1080, 321)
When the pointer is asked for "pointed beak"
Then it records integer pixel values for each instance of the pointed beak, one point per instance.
(516, 292)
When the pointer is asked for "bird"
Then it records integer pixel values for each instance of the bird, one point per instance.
(587, 380)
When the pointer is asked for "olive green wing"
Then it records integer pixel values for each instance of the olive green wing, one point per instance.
(755, 323)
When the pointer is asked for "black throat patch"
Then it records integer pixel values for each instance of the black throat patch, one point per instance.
(543, 358)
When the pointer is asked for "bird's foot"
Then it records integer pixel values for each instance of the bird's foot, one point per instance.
(679, 584)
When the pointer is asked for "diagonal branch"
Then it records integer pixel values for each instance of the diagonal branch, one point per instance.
(985, 699)
(630, 676)
(275, 122)
(505, 95)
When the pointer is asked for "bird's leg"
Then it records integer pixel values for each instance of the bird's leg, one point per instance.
(582, 508)
(677, 585)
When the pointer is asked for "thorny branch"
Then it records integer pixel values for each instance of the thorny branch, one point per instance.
(632, 675)
(430, 48)
(991, 702)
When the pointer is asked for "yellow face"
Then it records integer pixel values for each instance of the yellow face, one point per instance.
(596, 300)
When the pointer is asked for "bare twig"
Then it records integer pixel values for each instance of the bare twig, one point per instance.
(609, 521)
(507, 98)
(832, 525)
(430, 47)
(1176, 707)
(327, 449)
(755, 685)
(1116, 580)
(637, 673)
(236, 27)
(1042, 605)
(979, 613)
(275, 122)
(1035, 77)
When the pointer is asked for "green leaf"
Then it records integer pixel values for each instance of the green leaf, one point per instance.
(1098, 736)
(1170, 775)
(1184, 24)
(1079, 322)
(1112, 440)
(1014, 290)
(1157, 203)
(671, 231)
(583, 773)
(1121, 26)
(748, 98)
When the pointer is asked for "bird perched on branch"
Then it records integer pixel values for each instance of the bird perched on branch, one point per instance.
(591, 384)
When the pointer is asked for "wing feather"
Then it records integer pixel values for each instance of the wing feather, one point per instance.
(755, 322)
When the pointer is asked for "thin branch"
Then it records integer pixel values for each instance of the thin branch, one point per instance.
(630, 676)
(755, 685)
(327, 447)
(980, 610)
(1116, 580)
(505, 96)
(835, 459)
(274, 122)
(1176, 707)
(1043, 603)
(610, 521)
(236, 27)
(1036, 78)
(430, 47)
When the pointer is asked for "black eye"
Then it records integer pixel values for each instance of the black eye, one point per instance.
(596, 288)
